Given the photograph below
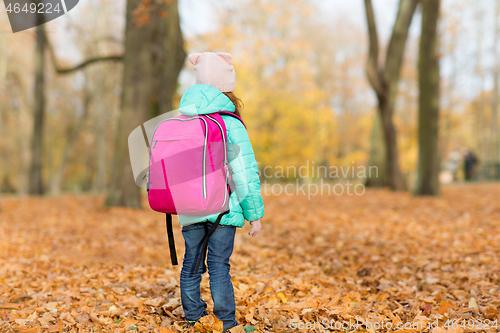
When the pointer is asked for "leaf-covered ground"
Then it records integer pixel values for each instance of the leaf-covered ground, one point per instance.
(68, 264)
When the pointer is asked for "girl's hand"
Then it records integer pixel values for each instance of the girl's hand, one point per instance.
(255, 228)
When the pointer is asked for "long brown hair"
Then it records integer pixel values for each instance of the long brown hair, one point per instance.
(238, 103)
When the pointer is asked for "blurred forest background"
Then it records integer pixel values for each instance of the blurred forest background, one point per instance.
(333, 83)
(69, 101)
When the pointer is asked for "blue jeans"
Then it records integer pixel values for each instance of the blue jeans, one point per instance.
(220, 248)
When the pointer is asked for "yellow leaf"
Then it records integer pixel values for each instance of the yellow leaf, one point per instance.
(282, 297)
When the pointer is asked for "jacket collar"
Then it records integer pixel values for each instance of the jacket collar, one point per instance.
(204, 99)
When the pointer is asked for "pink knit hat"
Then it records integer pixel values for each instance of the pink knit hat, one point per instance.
(214, 69)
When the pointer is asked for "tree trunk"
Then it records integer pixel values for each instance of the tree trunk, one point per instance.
(3, 114)
(384, 80)
(378, 156)
(35, 177)
(173, 56)
(100, 179)
(394, 176)
(154, 56)
(428, 113)
(448, 116)
(71, 140)
(495, 129)
(481, 139)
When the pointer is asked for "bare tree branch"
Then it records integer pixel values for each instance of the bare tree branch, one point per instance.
(372, 70)
(395, 50)
(86, 63)
(60, 70)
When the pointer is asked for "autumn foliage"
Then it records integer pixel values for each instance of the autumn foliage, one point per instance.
(69, 265)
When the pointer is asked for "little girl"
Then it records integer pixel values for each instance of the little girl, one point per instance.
(213, 92)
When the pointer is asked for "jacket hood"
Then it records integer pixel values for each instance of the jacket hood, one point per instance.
(204, 99)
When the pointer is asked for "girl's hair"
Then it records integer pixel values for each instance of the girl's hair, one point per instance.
(238, 103)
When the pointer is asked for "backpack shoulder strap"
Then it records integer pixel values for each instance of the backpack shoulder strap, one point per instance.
(204, 245)
(231, 114)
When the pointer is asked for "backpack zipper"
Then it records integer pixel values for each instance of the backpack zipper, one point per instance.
(204, 176)
(226, 159)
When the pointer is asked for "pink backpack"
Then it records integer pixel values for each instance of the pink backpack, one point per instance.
(189, 170)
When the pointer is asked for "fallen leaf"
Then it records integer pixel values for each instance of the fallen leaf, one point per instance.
(444, 307)
(165, 330)
(282, 297)
(473, 304)
(68, 317)
(438, 330)
(55, 328)
(46, 319)
(132, 301)
(155, 302)
(83, 318)
(10, 306)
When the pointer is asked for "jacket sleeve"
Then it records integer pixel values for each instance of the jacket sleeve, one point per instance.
(245, 170)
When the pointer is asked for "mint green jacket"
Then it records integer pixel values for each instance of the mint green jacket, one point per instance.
(245, 203)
